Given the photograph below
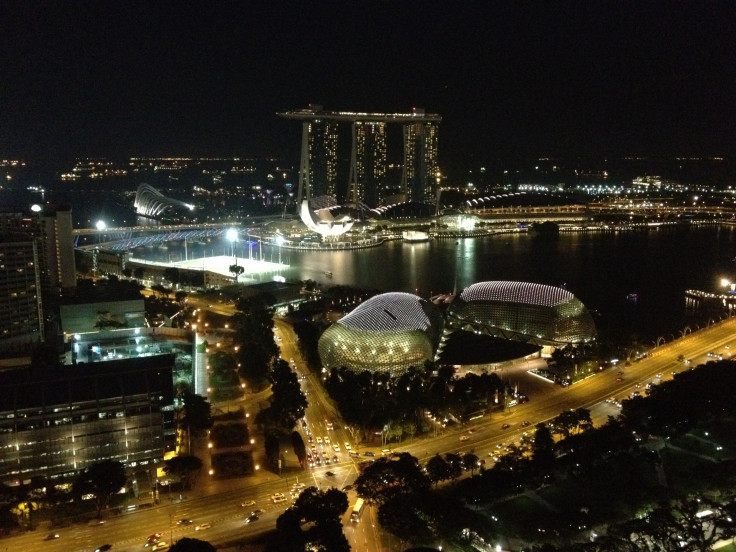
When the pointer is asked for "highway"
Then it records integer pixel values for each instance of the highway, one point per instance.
(218, 502)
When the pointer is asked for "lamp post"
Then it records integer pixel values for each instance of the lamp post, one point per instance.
(101, 226)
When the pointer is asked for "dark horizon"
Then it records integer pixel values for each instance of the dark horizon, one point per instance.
(511, 81)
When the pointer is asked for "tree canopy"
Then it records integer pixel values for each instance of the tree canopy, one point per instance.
(102, 480)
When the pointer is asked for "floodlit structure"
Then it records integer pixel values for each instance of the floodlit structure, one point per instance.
(522, 311)
(150, 202)
(387, 333)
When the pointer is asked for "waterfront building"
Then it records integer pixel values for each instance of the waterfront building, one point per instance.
(544, 315)
(368, 157)
(421, 169)
(388, 333)
(368, 184)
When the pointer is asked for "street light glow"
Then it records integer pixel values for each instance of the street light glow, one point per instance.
(232, 234)
(101, 225)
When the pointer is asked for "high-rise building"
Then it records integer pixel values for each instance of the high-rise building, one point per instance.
(51, 229)
(368, 184)
(319, 170)
(320, 137)
(21, 313)
(60, 272)
(419, 178)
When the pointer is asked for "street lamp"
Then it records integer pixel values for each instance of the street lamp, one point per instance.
(232, 235)
(101, 226)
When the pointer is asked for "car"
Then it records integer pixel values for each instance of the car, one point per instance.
(313, 449)
(278, 497)
(369, 453)
(464, 437)
(347, 488)
(347, 446)
(658, 376)
(386, 452)
(336, 447)
(247, 503)
(325, 455)
(103, 548)
(335, 459)
(184, 521)
(505, 426)
(330, 474)
(354, 454)
(304, 424)
(298, 486)
(203, 526)
(257, 512)
(619, 379)
(326, 439)
(319, 440)
(310, 439)
(251, 518)
(153, 539)
(163, 545)
(52, 536)
(525, 423)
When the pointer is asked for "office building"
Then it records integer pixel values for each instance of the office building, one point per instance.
(21, 311)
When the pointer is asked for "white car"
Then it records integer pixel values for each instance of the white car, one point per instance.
(326, 439)
(163, 545)
(278, 497)
(319, 440)
(347, 446)
(336, 447)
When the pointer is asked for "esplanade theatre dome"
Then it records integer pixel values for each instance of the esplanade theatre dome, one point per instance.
(387, 333)
(545, 315)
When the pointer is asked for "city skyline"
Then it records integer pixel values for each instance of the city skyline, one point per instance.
(509, 80)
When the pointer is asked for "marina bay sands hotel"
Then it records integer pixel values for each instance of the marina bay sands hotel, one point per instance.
(367, 183)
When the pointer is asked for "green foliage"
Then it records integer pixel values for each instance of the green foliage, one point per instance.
(188, 544)
(229, 435)
(288, 403)
(233, 464)
(186, 467)
(253, 326)
(324, 509)
(386, 478)
(197, 413)
(102, 479)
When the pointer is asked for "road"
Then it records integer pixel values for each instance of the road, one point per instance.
(218, 502)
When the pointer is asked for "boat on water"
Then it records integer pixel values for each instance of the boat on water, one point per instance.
(328, 273)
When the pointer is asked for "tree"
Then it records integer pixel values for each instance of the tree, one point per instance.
(288, 403)
(679, 525)
(102, 480)
(171, 274)
(455, 464)
(543, 456)
(470, 462)
(253, 325)
(187, 544)
(180, 296)
(186, 467)
(438, 469)
(236, 270)
(387, 478)
(300, 448)
(197, 413)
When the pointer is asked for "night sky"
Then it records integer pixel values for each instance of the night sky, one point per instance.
(510, 79)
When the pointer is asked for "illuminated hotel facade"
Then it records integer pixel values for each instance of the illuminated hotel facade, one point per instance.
(318, 174)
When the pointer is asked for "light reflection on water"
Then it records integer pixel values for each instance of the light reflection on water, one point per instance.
(601, 269)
